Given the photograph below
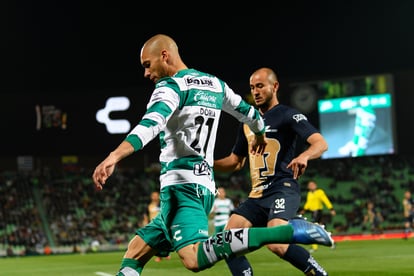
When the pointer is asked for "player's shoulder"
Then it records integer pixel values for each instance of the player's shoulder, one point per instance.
(166, 82)
(282, 109)
(291, 114)
(177, 78)
(281, 112)
(191, 73)
(193, 78)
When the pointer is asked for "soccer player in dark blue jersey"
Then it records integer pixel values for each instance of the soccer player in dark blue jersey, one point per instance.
(275, 192)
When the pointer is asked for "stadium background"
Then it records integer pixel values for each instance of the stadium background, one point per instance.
(75, 55)
(70, 57)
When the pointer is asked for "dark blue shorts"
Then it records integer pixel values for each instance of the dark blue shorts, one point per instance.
(282, 203)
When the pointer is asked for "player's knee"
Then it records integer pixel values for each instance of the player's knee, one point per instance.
(191, 265)
(188, 256)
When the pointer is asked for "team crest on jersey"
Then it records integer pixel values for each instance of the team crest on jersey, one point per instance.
(299, 117)
(202, 169)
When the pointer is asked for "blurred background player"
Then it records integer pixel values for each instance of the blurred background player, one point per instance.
(373, 218)
(316, 200)
(408, 207)
(153, 208)
(222, 208)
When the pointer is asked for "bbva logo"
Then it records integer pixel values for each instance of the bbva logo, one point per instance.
(114, 126)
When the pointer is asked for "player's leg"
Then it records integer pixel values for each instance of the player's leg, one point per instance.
(280, 214)
(189, 226)
(407, 226)
(149, 240)
(237, 265)
(136, 256)
(235, 242)
(154, 238)
(249, 210)
(297, 256)
(189, 229)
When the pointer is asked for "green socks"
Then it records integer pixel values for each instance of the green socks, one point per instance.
(240, 241)
(261, 236)
(130, 267)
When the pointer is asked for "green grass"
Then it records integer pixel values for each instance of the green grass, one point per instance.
(377, 257)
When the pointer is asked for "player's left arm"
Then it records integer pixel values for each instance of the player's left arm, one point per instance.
(317, 146)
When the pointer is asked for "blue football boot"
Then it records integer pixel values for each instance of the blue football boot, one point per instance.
(305, 232)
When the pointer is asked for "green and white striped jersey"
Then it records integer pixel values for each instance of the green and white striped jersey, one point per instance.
(184, 110)
(222, 209)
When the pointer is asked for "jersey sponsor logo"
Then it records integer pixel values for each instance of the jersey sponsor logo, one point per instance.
(268, 129)
(299, 117)
(204, 98)
(199, 81)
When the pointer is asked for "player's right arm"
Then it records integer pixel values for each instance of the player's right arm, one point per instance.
(105, 169)
(244, 112)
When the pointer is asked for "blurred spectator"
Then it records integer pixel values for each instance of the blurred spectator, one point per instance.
(372, 218)
(10, 252)
(47, 250)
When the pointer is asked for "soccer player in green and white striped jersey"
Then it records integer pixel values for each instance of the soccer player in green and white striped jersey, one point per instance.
(222, 208)
(184, 112)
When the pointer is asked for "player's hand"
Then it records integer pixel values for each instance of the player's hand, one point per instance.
(258, 144)
(102, 172)
(298, 165)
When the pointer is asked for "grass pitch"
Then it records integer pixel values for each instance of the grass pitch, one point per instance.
(374, 257)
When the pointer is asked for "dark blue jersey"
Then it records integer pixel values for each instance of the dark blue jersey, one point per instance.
(284, 126)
